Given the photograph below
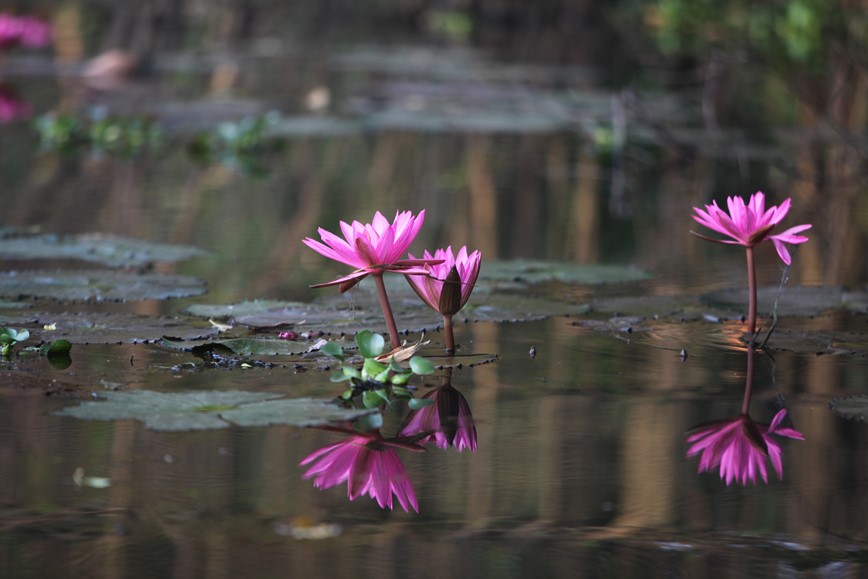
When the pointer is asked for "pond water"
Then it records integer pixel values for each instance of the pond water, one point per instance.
(550, 153)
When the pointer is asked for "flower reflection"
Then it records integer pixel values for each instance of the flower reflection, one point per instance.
(740, 446)
(370, 466)
(447, 422)
(12, 107)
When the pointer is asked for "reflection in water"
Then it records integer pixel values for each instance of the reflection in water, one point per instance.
(447, 422)
(370, 466)
(12, 107)
(739, 446)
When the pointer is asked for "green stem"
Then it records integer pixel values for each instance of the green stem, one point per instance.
(387, 310)
(751, 289)
(450, 334)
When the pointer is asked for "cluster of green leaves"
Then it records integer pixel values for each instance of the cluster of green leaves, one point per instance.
(9, 337)
(239, 144)
(117, 136)
(377, 383)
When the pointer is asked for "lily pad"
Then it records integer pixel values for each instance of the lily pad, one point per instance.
(251, 346)
(210, 410)
(107, 328)
(524, 271)
(97, 285)
(792, 301)
(109, 250)
(851, 407)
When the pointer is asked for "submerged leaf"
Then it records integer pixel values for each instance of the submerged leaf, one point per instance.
(98, 285)
(210, 410)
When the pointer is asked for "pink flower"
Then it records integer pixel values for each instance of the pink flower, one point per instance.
(372, 248)
(24, 30)
(447, 422)
(431, 287)
(369, 466)
(751, 224)
(739, 446)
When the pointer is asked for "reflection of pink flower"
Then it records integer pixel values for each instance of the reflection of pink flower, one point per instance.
(368, 464)
(739, 446)
(448, 421)
(372, 248)
(12, 107)
(430, 288)
(750, 224)
(24, 30)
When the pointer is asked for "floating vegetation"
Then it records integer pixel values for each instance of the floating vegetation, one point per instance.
(97, 285)
(851, 407)
(109, 250)
(123, 136)
(792, 300)
(211, 410)
(523, 272)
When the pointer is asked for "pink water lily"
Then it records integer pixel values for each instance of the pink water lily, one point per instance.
(370, 466)
(374, 248)
(748, 225)
(740, 446)
(448, 285)
(751, 224)
(23, 30)
(447, 422)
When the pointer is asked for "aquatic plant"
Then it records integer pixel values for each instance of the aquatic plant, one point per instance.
(740, 446)
(9, 337)
(26, 31)
(447, 422)
(749, 225)
(370, 466)
(373, 249)
(448, 285)
(381, 380)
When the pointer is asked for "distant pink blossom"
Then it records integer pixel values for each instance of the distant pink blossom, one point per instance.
(370, 466)
(751, 224)
(372, 248)
(430, 287)
(23, 30)
(447, 422)
(740, 446)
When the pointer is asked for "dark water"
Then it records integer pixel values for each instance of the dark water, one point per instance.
(520, 140)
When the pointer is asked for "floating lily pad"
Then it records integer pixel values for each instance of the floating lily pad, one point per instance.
(108, 250)
(792, 301)
(242, 309)
(210, 410)
(835, 343)
(525, 271)
(851, 407)
(4, 305)
(97, 285)
(107, 328)
(251, 346)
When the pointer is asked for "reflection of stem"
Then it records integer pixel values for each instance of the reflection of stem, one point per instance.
(751, 290)
(387, 310)
(450, 334)
(748, 382)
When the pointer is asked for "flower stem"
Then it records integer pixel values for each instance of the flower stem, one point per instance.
(748, 382)
(387, 310)
(751, 290)
(450, 334)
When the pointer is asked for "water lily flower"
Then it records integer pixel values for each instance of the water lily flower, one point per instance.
(11, 106)
(373, 248)
(751, 224)
(448, 285)
(23, 30)
(370, 466)
(748, 225)
(447, 422)
(740, 446)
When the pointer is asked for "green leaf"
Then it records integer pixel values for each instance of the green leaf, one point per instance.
(400, 379)
(351, 372)
(370, 344)
(369, 422)
(334, 350)
(372, 398)
(58, 348)
(417, 403)
(339, 376)
(421, 366)
(382, 376)
(211, 409)
(373, 368)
